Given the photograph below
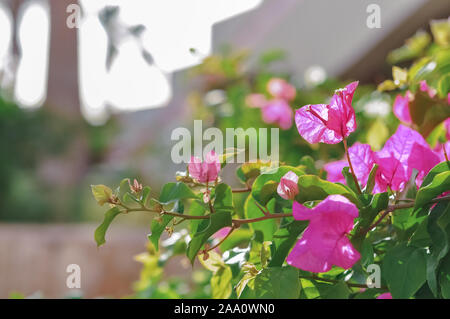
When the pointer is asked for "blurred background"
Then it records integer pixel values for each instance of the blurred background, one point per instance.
(91, 90)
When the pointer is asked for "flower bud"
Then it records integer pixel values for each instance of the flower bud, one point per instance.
(288, 188)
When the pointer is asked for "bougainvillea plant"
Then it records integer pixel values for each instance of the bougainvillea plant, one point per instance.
(302, 233)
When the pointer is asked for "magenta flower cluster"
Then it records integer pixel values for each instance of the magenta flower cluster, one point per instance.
(275, 110)
(324, 243)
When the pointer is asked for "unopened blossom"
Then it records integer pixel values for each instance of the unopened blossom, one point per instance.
(386, 295)
(206, 171)
(401, 108)
(278, 112)
(136, 187)
(256, 100)
(425, 88)
(324, 243)
(222, 233)
(288, 187)
(328, 123)
(281, 89)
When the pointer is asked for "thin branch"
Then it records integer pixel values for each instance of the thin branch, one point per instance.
(392, 208)
(220, 242)
(239, 222)
(334, 281)
(242, 190)
(351, 166)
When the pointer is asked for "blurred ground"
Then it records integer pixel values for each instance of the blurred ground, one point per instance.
(34, 259)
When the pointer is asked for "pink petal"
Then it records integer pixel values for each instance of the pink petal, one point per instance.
(344, 254)
(310, 254)
(256, 100)
(279, 112)
(206, 171)
(404, 151)
(334, 171)
(324, 242)
(328, 123)
(425, 88)
(311, 121)
(195, 167)
(401, 109)
(363, 159)
(386, 295)
(281, 89)
(222, 233)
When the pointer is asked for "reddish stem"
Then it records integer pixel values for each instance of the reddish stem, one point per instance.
(351, 166)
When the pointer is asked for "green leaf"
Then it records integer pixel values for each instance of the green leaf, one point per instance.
(172, 192)
(349, 179)
(196, 209)
(228, 155)
(100, 232)
(221, 283)
(387, 85)
(404, 269)
(371, 180)
(265, 186)
(309, 164)
(284, 239)
(223, 198)
(268, 226)
(248, 171)
(217, 221)
(335, 291)
(441, 32)
(367, 253)
(439, 168)
(313, 188)
(145, 195)
(399, 75)
(102, 193)
(129, 198)
(444, 277)
(157, 228)
(444, 85)
(308, 289)
(375, 204)
(277, 283)
(412, 48)
(437, 226)
(421, 237)
(439, 185)
(248, 276)
(214, 261)
(237, 237)
(222, 275)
